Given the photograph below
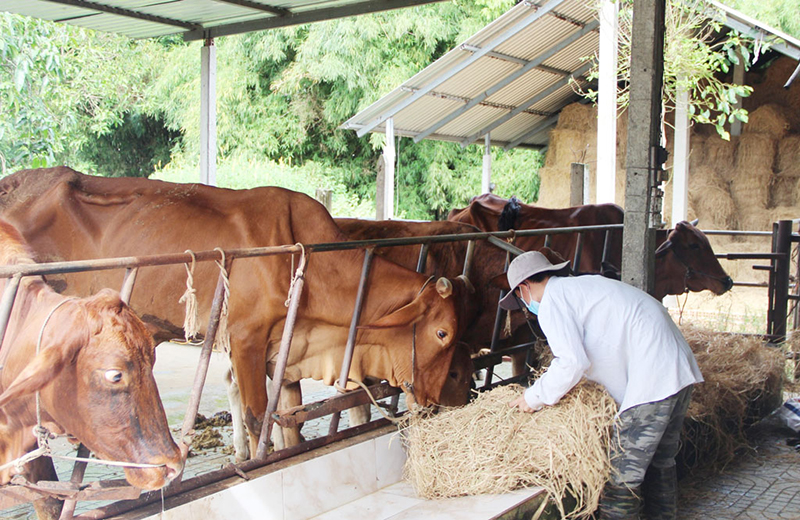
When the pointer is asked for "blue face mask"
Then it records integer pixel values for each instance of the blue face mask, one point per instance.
(533, 306)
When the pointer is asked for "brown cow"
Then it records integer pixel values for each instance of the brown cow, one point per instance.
(93, 373)
(68, 215)
(684, 259)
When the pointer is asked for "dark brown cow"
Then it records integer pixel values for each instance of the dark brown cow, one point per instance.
(64, 214)
(93, 373)
(684, 259)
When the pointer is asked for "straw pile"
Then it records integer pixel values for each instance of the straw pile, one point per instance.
(743, 380)
(767, 119)
(487, 447)
(710, 196)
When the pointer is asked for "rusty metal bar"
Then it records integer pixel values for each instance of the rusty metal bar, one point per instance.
(576, 261)
(205, 358)
(468, 258)
(423, 257)
(505, 246)
(77, 477)
(280, 364)
(750, 256)
(6, 304)
(205, 256)
(307, 412)
(127, 284)
(351, 335)
(228, 471)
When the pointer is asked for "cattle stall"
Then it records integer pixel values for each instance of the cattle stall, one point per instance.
(779, 288)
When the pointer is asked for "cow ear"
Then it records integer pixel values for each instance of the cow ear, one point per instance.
(58, 352)
(402, 317)
(444, 287)
(501, 281)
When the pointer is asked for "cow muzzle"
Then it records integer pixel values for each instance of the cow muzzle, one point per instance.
(150, 479)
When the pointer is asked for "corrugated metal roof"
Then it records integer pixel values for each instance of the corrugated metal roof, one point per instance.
(195, 19)
(512, 78)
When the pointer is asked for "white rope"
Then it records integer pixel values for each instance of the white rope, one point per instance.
(297, 273)
(191, 322)
(223, 339)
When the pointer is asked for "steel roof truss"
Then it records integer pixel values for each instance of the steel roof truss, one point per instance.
(759, 34)
(535, 99)
(534, 63)
(128, 13)
(504, 36)
(278, 11)
(547, 123)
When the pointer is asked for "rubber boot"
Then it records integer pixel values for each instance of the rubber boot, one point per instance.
(620, 503)
(660, 490)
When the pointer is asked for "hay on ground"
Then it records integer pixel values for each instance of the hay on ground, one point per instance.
(743, 381)
(487, 447)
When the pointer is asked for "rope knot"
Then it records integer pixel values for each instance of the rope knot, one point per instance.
(223, 339)
(191, 322)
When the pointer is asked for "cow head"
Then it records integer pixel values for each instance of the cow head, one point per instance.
(420, 339)
(94, 375)
(686, 262)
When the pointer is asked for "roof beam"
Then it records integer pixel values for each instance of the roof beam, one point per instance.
(524, 106)
(126, 13)
(490, 104)
(538, 12)
(278, 11)
(302, 17)
(758, 34)
(534, 63)
(547, 123)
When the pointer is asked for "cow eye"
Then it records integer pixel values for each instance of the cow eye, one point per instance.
(113, 376)
(442, 334)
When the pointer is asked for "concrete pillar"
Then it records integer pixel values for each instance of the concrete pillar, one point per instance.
(208, 113)
(607, 104)
(486, 180)
(643, 154)
(579, 184)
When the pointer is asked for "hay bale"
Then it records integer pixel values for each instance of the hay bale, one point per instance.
(578, 116)
(783, 192)
(789, 154)
(711, 200)
(743, 381)
(487, 447)
(767, 119)
(755, 151)
(554, 187)
(697, 151)
(750, 189)
(720, 154)
(568, 146)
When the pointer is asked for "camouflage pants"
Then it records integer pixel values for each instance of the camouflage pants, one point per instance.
(647, 434)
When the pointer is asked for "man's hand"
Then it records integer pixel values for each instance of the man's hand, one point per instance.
(522, 404)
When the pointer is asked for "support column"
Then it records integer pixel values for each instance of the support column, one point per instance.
(680, 159)
(388, 179)
(208, 113)
(486, 181)
(607, 104)
(644, 154)
(738, 79)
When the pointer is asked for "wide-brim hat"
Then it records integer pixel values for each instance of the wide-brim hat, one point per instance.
(523, 267)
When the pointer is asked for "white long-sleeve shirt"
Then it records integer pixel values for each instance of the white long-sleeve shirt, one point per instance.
(615, 335)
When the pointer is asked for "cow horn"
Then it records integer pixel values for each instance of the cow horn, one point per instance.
(444, 287)
(694, 222)
(467, 283)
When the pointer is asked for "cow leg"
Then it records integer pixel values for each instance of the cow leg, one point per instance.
(42, 469)
(362, 414)
(240, 445)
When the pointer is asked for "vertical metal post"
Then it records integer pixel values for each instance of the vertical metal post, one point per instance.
(782, 265)
(644, 156)
(486, 179)
(6, 304)
(771, 281)
(208, 113)
(576, 261)
(548, 240)
(606, 248)
(468, 258)
(351, 336)
(127, 284)
(203, 362)
(423, 257)
(280, 366)
(389, 155)
(607, 103)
